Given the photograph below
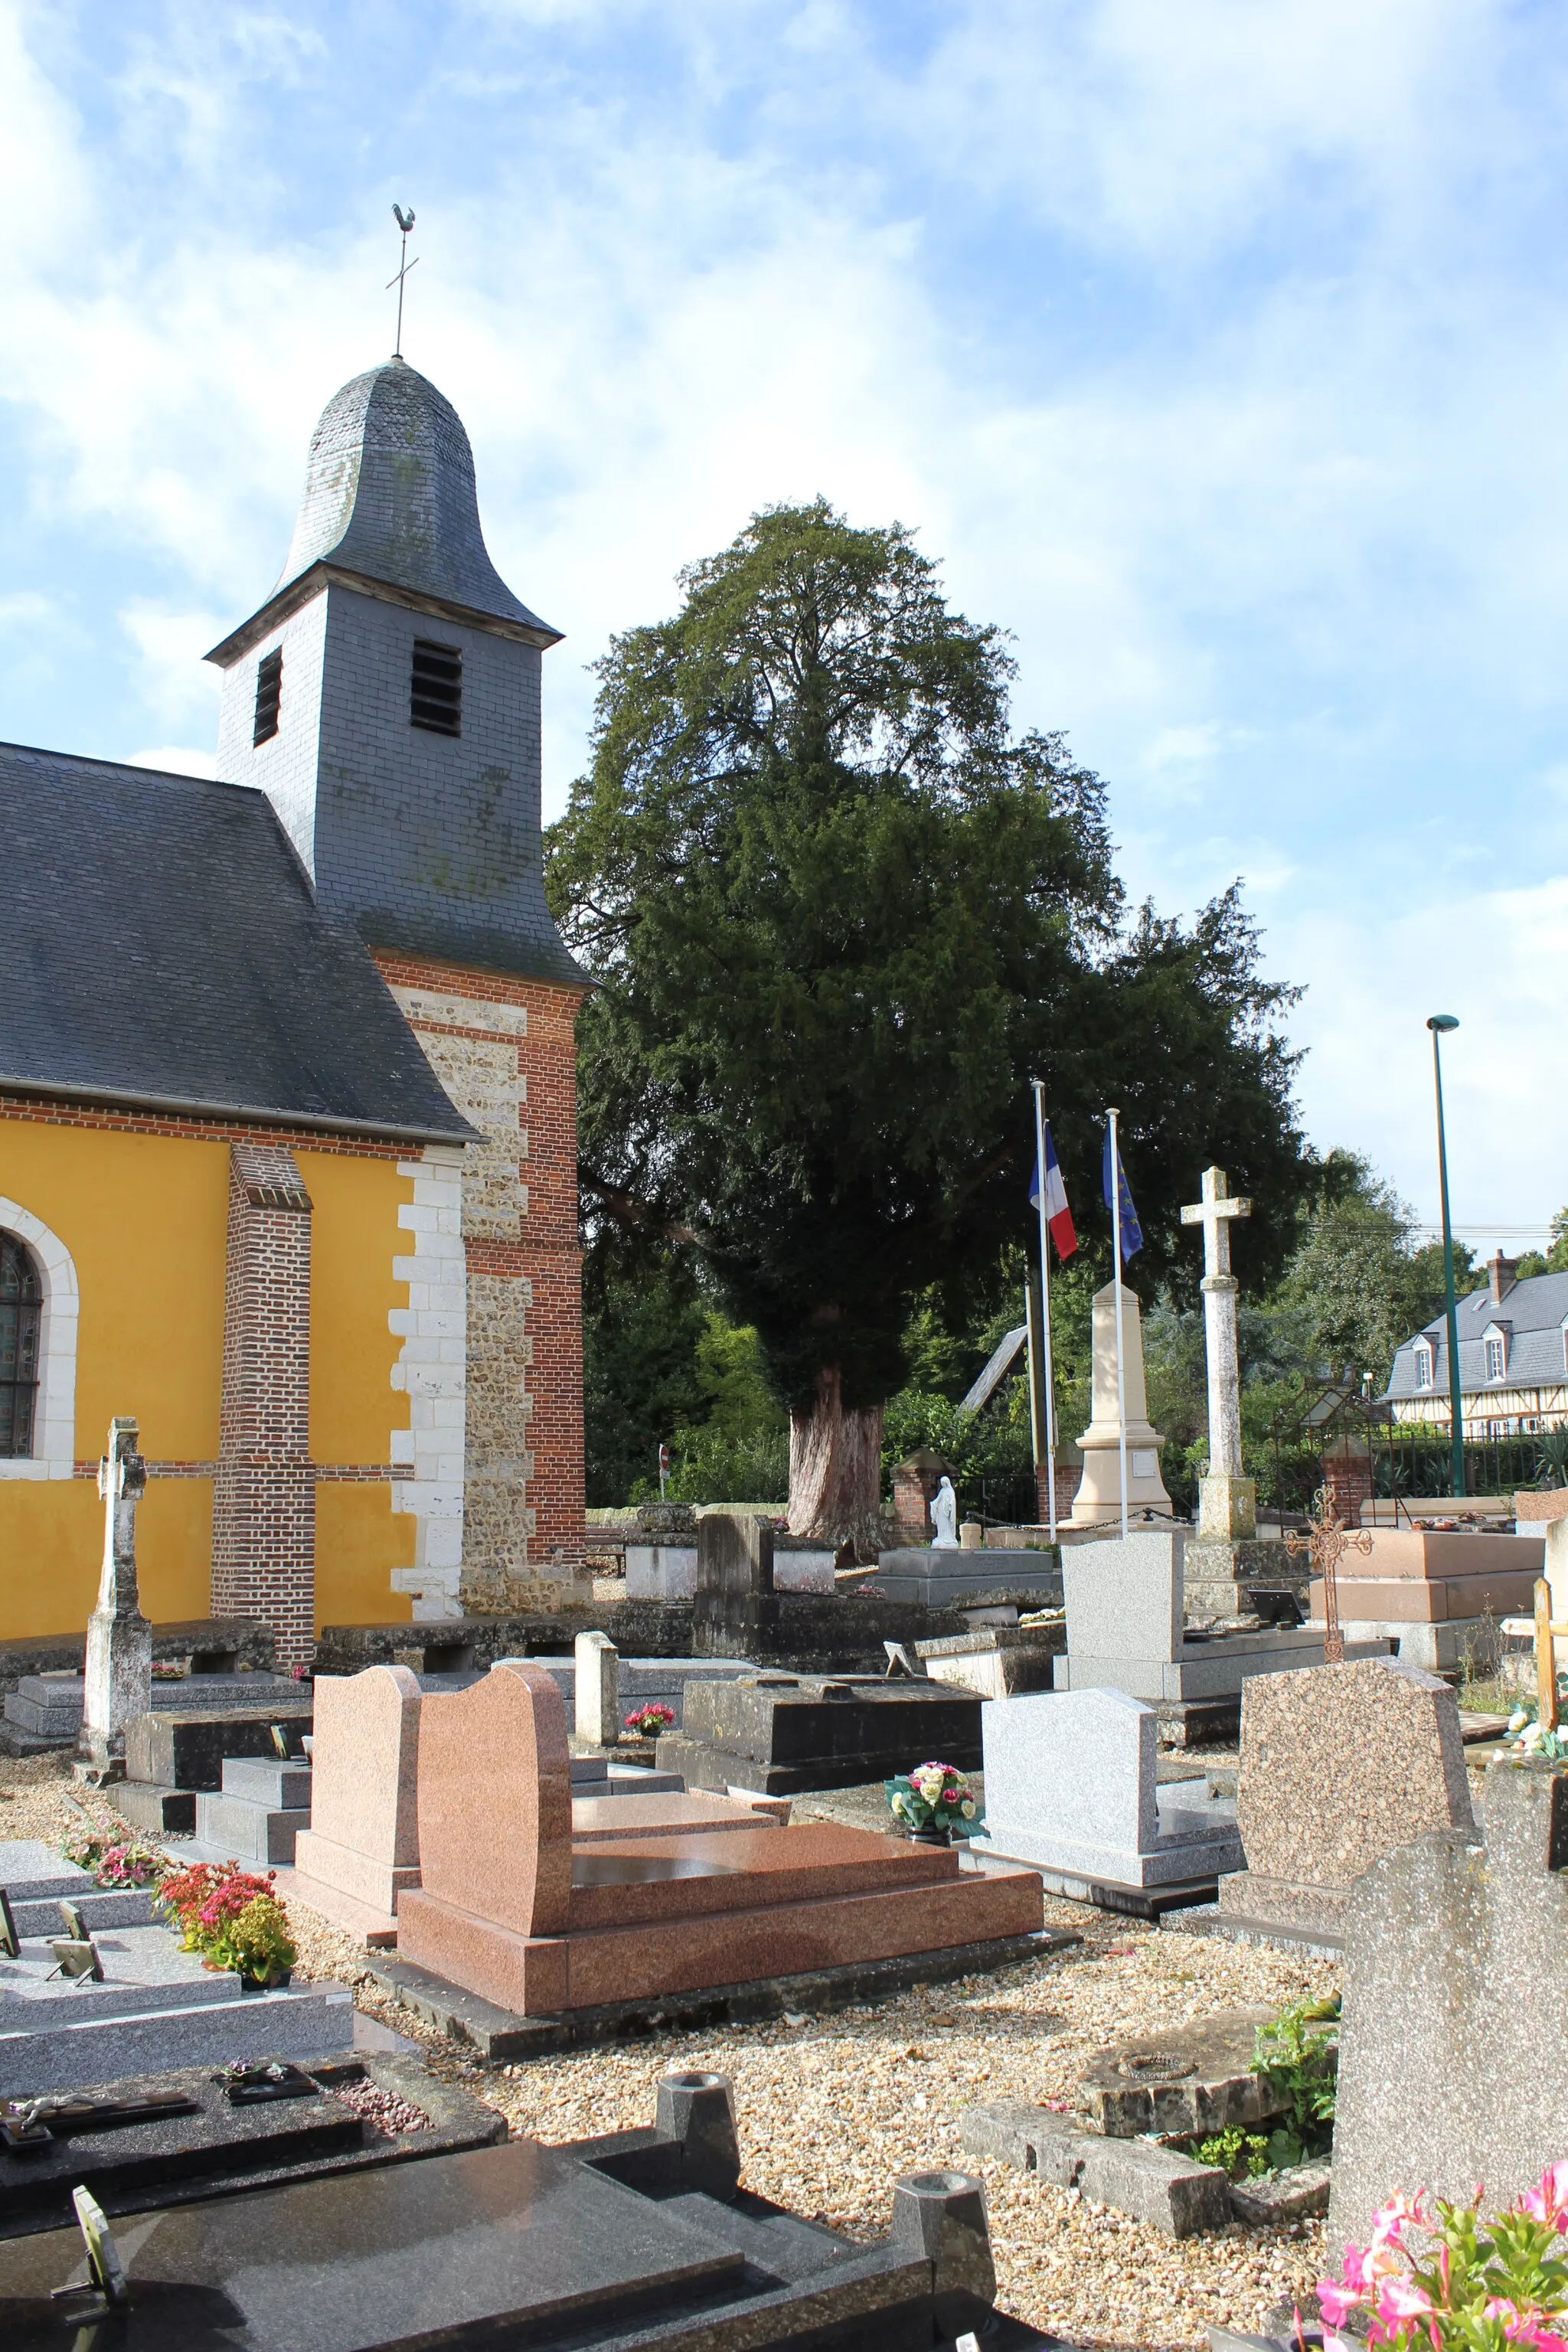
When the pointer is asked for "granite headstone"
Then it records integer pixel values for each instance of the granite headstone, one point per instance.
(1071, 1790)
(1454, 2044)
(1338, 1764)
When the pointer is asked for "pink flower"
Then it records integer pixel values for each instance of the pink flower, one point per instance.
(1549, 2203)
(1400, 2298)
(1388, 2223)
(1337, 2300)
(1524, 2326)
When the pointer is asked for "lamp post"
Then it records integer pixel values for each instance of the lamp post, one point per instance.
(1439, 1024)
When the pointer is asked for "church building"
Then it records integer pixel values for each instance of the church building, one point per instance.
(288, 1103)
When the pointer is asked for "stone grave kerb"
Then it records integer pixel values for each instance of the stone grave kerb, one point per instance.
(1340, 1763)
(1123, 1597)
(365, 1755)
(1082, 1763)
(495, 1800)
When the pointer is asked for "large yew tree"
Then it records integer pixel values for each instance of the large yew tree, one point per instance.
(839, 915)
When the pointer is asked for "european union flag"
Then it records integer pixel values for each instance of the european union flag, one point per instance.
(1132, 1231)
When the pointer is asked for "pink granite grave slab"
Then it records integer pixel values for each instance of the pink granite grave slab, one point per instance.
(361, 1852)
(595, 1818)
(508, 1910)
(495, 1826)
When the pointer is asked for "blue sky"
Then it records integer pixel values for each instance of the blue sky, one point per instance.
(1218, 351)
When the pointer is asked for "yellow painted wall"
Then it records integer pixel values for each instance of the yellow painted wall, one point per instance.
(143, 1217)
(359, 1541)
(354, 1237)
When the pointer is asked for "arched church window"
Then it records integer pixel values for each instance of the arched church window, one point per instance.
(21, 1320)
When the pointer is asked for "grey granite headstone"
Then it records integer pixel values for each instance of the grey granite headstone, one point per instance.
(1071, 1790)
(1124, 1600)
(1454, 2044)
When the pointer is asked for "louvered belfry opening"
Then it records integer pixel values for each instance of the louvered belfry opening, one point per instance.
(269, 695)
(21, 1318)
(435, 694)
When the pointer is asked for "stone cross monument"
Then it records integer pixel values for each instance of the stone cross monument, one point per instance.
(1227, 1502)
(118, 1638)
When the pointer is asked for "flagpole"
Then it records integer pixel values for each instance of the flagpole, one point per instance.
(1039, 1086)
(1120, 1373)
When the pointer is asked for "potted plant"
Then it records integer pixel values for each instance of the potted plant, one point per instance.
(125, 1861)
(255, 1943)
(1480, 2285)
(934, 1804)
(647, 1722)
(233, 1918)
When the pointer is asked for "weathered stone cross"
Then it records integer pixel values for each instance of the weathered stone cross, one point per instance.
(1228, 1501)
(119, 1680)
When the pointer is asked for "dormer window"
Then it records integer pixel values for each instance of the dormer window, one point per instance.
(269, 695)
(436, 693)
(1496, 1359)
(1423, 1365)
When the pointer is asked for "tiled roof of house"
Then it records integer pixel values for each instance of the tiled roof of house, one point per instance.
(159, 946)
(1530, 1321)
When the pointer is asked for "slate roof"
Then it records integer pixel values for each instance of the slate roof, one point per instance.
(390, 496)
(1531, 1317)
(159, 946)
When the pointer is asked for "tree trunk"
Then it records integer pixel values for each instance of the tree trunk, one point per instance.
(836, 1469)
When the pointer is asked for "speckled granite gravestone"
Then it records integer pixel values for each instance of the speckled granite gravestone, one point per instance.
(1338, 1764)
(1454, 2046)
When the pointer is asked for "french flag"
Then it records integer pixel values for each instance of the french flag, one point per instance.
(1059, 1216)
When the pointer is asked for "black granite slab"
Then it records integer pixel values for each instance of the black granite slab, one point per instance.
(222, 2148)
(501, 2035)
(781, 1735)
(187, 1751)
(606, 2244)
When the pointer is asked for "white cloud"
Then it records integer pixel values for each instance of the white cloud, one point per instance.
(1220, 353)
(175, 760)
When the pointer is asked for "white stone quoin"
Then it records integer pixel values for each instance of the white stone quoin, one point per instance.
(431, 1369)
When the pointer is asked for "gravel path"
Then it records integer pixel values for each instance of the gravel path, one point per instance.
(833, 2109)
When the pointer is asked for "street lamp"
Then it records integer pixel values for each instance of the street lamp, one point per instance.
(1439, 1024)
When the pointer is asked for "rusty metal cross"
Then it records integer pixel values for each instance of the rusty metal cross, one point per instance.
(1326, 1543)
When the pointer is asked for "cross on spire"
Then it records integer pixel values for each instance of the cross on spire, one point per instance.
(405, 223)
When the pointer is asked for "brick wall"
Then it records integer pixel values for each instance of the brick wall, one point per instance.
(505, 1050)
(264, 1496)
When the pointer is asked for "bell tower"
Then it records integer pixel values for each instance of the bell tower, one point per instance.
(385, 697)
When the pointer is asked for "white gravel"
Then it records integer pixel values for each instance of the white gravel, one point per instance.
(833, 2109)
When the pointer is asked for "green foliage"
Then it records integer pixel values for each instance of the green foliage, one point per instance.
(1243, 2154)
(1297, 2057)
(739, 1451)
(838, 915)
(1555, 1258)
(642, 1379)
(1356, 1280)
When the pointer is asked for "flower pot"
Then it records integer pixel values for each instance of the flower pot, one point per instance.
(933, 1834)
(273, 1983)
